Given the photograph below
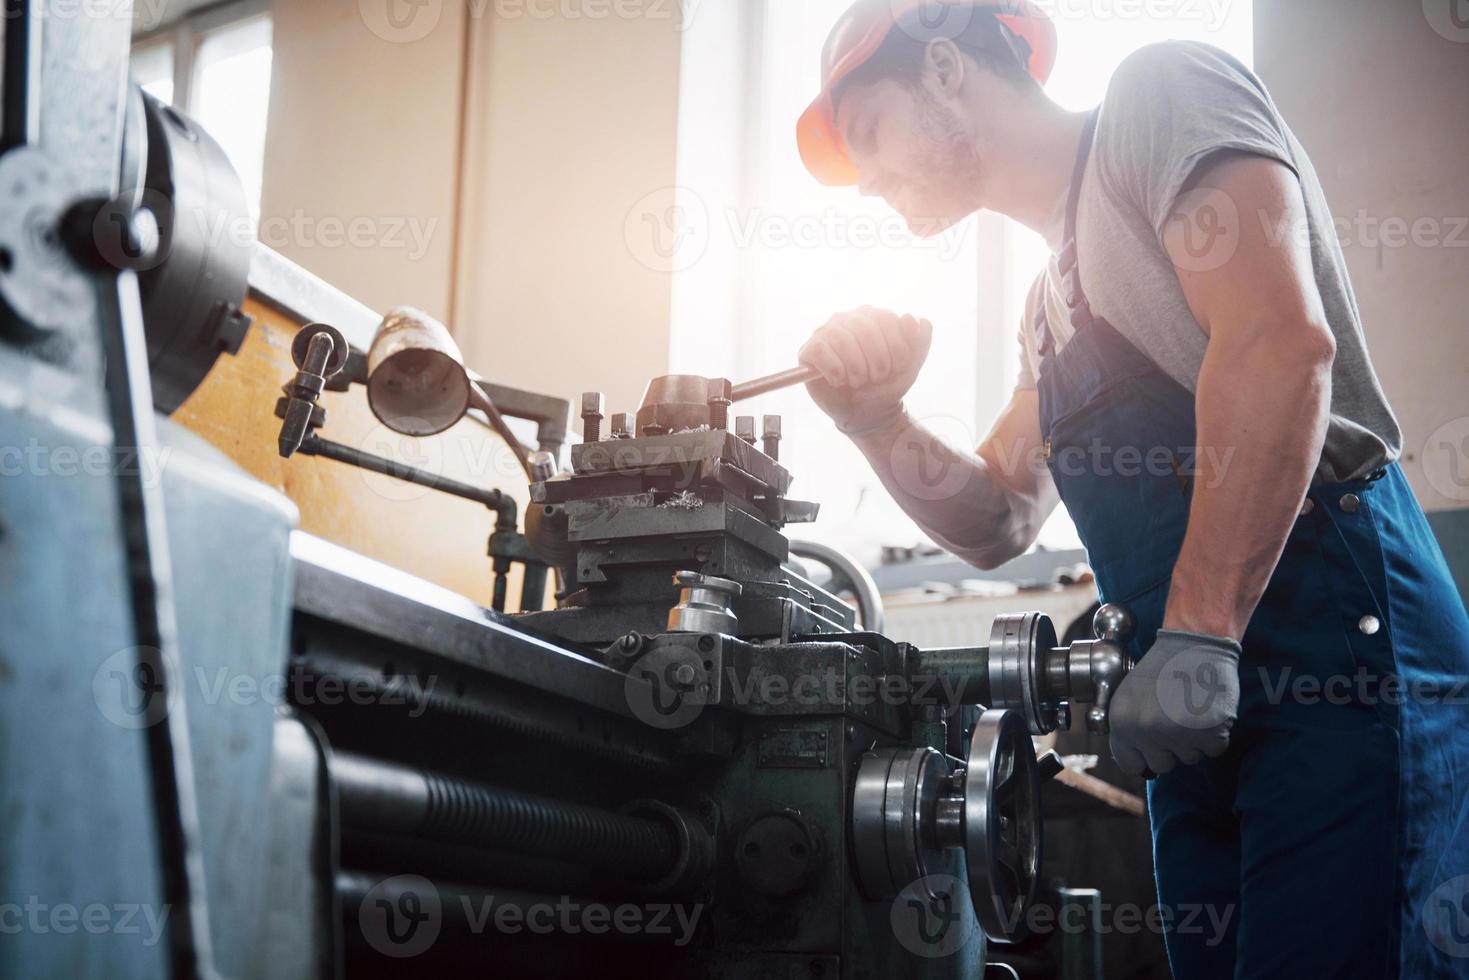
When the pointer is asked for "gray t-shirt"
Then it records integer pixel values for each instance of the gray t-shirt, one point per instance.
(1170, 107)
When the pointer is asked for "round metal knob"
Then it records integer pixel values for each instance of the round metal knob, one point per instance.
(1113, 622)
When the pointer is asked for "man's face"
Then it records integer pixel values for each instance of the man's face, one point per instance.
(917, 147)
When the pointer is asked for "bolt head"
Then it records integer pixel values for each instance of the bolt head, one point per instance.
(745, 427)
(593, 403)
(771, 426)
(720, 389)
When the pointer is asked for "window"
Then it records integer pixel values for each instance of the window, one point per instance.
(779, 253)
(215, 66)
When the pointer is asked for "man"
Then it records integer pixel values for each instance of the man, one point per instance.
(1196, 383)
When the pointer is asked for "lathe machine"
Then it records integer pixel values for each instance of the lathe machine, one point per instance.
(232, 748)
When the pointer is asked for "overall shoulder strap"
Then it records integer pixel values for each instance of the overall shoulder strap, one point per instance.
(1067, 261)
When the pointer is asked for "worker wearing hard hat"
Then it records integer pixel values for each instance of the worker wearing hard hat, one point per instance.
(1196, 389)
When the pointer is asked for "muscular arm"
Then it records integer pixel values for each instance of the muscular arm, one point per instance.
(1263, 398)
(986, 507)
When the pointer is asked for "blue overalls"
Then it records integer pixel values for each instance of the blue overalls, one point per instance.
(1332, 839)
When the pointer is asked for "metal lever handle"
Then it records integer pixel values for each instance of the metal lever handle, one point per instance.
(1113, 624)
(773, 382)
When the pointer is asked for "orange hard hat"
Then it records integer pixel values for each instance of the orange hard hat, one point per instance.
(861, 31)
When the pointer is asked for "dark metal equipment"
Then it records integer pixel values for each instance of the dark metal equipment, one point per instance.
(698, 764)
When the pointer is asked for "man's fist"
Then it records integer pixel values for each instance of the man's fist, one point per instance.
(868, 360)
(1178, 704)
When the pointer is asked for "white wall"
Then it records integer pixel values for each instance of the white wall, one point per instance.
(362, 152)
(516, 139)
(1380, 98)
(573, 123)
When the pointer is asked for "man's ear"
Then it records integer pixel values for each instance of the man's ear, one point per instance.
(943, 68)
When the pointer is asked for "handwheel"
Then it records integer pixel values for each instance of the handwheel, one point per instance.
(1002, 823)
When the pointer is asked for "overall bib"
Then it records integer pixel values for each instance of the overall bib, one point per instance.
(1332, 838)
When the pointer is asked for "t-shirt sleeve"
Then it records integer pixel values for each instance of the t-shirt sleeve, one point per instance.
(1169, 108)
(1029, 369)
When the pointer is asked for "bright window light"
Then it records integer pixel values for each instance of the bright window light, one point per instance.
(785, 253)
(152, 66)
(230, 95)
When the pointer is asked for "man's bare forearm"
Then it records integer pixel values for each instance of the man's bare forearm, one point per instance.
(954, 495)
(1262, 411)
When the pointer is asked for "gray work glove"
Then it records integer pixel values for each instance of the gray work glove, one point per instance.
(1177, 704)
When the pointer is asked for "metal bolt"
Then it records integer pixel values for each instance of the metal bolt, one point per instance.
(771, 436)
(745, 428)
(1350, 503)
(684, 675)
(593, 406)
(622, 425)
(719, 398)
(542, 466)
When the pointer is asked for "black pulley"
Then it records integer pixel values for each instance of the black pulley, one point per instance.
(194, 289)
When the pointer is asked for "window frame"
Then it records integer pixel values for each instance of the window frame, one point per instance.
(186, 35)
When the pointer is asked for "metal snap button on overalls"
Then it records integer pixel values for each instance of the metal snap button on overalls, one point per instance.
(1350, 503)
(1369, 625)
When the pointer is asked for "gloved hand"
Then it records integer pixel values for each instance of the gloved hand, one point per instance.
(1178, 704)
(868, 360)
